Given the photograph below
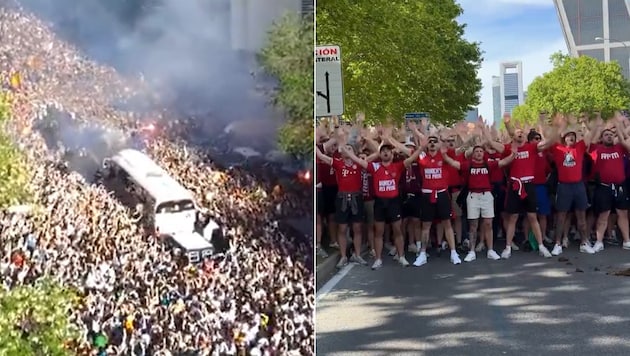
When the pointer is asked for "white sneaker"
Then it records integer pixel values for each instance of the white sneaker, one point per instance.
(557, 250)
(480, 246)
(455, 258)
(342, 262)
(412, 248)
(421, 259)
(515, 246)
(392, 251)
(334, 245)
(626, 245)
(544, 251)
(587, 248)
(598, 247)
(377, 264)
(403, 261)
(565, 242)
(493, 255)
(507, 253)
(471, 256)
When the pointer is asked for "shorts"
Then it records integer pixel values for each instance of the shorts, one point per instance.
(368, 211)
(439, 210)
(543, 202)
(498, 190)
(346, 216)
(571, 196)
(319, 202)
(515, 205)
(329, 195)
(480, 205)
(411, 206)
(387, 210)
(455, 208)
(609, 197)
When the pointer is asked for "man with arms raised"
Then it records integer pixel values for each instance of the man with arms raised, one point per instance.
(521, 192)
(610, 192)
(568, 157)
(480, 201)
(387, 205)
(349, 202)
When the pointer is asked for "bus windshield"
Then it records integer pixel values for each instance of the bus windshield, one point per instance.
(173, 207)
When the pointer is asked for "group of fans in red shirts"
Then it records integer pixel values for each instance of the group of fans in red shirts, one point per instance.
(445, 179)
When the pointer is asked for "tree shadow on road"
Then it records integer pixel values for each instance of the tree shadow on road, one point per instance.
(525, 306)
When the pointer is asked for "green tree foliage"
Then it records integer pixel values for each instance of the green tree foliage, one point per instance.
(575, 86)
(402, 56)
(13, 170)
(35, 320)
(288, 56)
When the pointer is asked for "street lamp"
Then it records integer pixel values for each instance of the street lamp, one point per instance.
(623, 43)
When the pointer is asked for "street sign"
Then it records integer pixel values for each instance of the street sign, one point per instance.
(328, 81)
(416, 117)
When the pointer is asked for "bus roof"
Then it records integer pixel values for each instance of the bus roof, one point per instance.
(191, 241)
(151, 177)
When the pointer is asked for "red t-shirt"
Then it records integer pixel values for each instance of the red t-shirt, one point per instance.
(496, 175)
(386, 178)
(452, 174)
(569, 161)
(325, 173)
(478, 175)
(524, 164)
(433, 173)
(367, 186)
(542, 168)
(412, 181)
(348, 176)
(609, 163)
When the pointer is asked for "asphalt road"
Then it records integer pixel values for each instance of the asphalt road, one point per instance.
(524, 306)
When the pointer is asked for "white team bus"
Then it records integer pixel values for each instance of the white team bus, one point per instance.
(169, 207)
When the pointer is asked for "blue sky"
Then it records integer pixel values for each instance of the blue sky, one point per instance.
(510, 30)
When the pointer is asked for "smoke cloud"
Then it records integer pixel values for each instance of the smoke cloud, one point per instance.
(181, 47)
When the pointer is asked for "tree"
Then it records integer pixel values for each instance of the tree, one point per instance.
(13, 171)
(35, 320)
(575, 86)
(402, 56)
(288, 56)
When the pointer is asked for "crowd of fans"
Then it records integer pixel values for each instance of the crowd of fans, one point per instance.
(258, 298)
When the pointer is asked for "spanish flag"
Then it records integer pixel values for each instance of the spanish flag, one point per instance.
(16, 81)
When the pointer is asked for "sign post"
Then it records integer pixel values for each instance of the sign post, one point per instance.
(328, 81)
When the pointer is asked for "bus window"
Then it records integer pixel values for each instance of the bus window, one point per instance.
(193, 256)
(175, 207)
(206, 253)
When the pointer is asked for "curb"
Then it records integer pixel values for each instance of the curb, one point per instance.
(328, 268)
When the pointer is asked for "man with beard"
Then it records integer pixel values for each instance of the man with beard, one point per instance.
(387, 205)
(521, 192)
(610, 192)
(568, 157)
(435, 199)
(349, 201)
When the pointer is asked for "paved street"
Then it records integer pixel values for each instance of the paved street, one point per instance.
(525, 306)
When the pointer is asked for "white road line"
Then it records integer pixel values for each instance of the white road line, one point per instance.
(326, 288)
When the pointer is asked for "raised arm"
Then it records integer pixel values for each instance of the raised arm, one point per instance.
(353, 157)
(509, 158)
(412, 158)
(323, 157)
(451, 162)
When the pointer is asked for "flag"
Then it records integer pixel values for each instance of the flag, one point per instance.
(264, 320)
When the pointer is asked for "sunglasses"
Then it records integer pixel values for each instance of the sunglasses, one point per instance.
(537, 138)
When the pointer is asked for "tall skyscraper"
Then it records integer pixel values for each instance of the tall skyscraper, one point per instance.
(472, 115)
(496, 99)
(598, 29)
(511, 85)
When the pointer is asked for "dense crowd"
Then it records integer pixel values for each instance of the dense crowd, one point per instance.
(258, 298)
(461, 189)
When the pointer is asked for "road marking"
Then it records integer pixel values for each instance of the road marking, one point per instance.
(326, 288)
